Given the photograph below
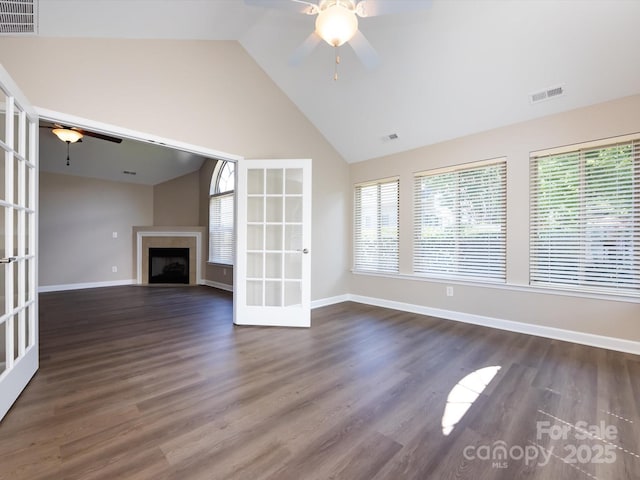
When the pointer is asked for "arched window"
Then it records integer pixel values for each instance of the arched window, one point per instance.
(221, 193)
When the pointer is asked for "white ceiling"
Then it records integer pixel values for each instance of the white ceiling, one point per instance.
(459, 68)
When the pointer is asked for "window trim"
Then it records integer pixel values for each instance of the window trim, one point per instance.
(215, 188)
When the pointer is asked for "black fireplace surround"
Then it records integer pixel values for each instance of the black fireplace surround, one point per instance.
(169, 265)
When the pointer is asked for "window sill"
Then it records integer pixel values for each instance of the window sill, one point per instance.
(504, 286)
(215, 264)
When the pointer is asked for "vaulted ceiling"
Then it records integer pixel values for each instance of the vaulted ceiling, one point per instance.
(457, 68)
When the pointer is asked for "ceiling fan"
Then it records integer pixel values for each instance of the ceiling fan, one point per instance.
(337, 23)
(71, 135)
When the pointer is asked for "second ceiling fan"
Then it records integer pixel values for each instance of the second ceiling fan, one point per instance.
(71, 135)
(337, 23)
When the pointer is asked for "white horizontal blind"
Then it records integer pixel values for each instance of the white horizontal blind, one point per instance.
(585, 219)
(376, 227)
(460, 222)
(221, 238)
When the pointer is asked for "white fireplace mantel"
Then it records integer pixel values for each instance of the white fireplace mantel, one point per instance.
(141, 232)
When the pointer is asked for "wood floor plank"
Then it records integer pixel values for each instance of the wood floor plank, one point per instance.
(156, 383)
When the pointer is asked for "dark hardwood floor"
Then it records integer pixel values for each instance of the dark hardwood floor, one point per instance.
(156, 383)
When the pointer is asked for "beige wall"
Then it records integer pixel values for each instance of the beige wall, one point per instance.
(77, 219)
(176, 202)
(205, 93)
(601, 317)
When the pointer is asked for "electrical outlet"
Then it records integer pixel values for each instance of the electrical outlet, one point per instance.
(114, 234)
(114, 269)
(449, 291)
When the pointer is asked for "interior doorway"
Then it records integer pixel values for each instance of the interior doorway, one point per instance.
(136, 144)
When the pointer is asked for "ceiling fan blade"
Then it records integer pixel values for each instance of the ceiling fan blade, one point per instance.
(373, 8)
(100, 136)
(305, 49)
(365, 52)
(299, 6)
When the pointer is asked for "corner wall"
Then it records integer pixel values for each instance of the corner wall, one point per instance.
(596, 316)
(176, 202)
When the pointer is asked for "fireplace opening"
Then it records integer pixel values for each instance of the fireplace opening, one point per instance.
(168, 265)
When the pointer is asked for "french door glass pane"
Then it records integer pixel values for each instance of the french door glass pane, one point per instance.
(255, 265)
(27, 330)
(255, 209)
(273, 265)
(273, 293)
(274, 237)
(293, 266)
(293, 183)
(274, 209)
(3, 116)
(293, 209)
(254, 293)
(3, 349)
(255, 182)
(28, 220)
(292, 293)
(293, 237)
(274, 181)
(16, 129)
(255, 237)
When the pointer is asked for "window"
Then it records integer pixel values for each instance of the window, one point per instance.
(221, 235)
(585, 216)
(460, 222)
(376, 226)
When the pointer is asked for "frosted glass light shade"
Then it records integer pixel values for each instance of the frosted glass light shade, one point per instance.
(67, 135)
(336, 25)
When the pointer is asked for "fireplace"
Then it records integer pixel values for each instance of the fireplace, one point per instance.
(168, 265)
(189, 238)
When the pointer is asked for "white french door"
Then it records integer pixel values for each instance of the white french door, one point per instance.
(18, 194)
(272, 275)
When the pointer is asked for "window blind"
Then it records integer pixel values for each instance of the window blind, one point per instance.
(221, 241)
(460, 222)
(584, 222)
(376, 226)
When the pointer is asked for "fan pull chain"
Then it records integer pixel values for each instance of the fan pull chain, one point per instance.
(68, 143)
(335, 72)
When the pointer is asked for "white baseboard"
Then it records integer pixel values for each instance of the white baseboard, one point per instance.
(80, 286)
(324, 302)
(589, 339)
(221, 286)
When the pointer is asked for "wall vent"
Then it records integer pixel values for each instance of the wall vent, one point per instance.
(18, 17)
(129, 172)
(546, 94)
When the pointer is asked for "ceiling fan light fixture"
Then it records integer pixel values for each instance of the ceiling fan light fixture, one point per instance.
(336, 24)
(67, 135)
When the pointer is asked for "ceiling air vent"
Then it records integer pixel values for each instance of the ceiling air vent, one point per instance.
(546, 94)
(18, 17)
